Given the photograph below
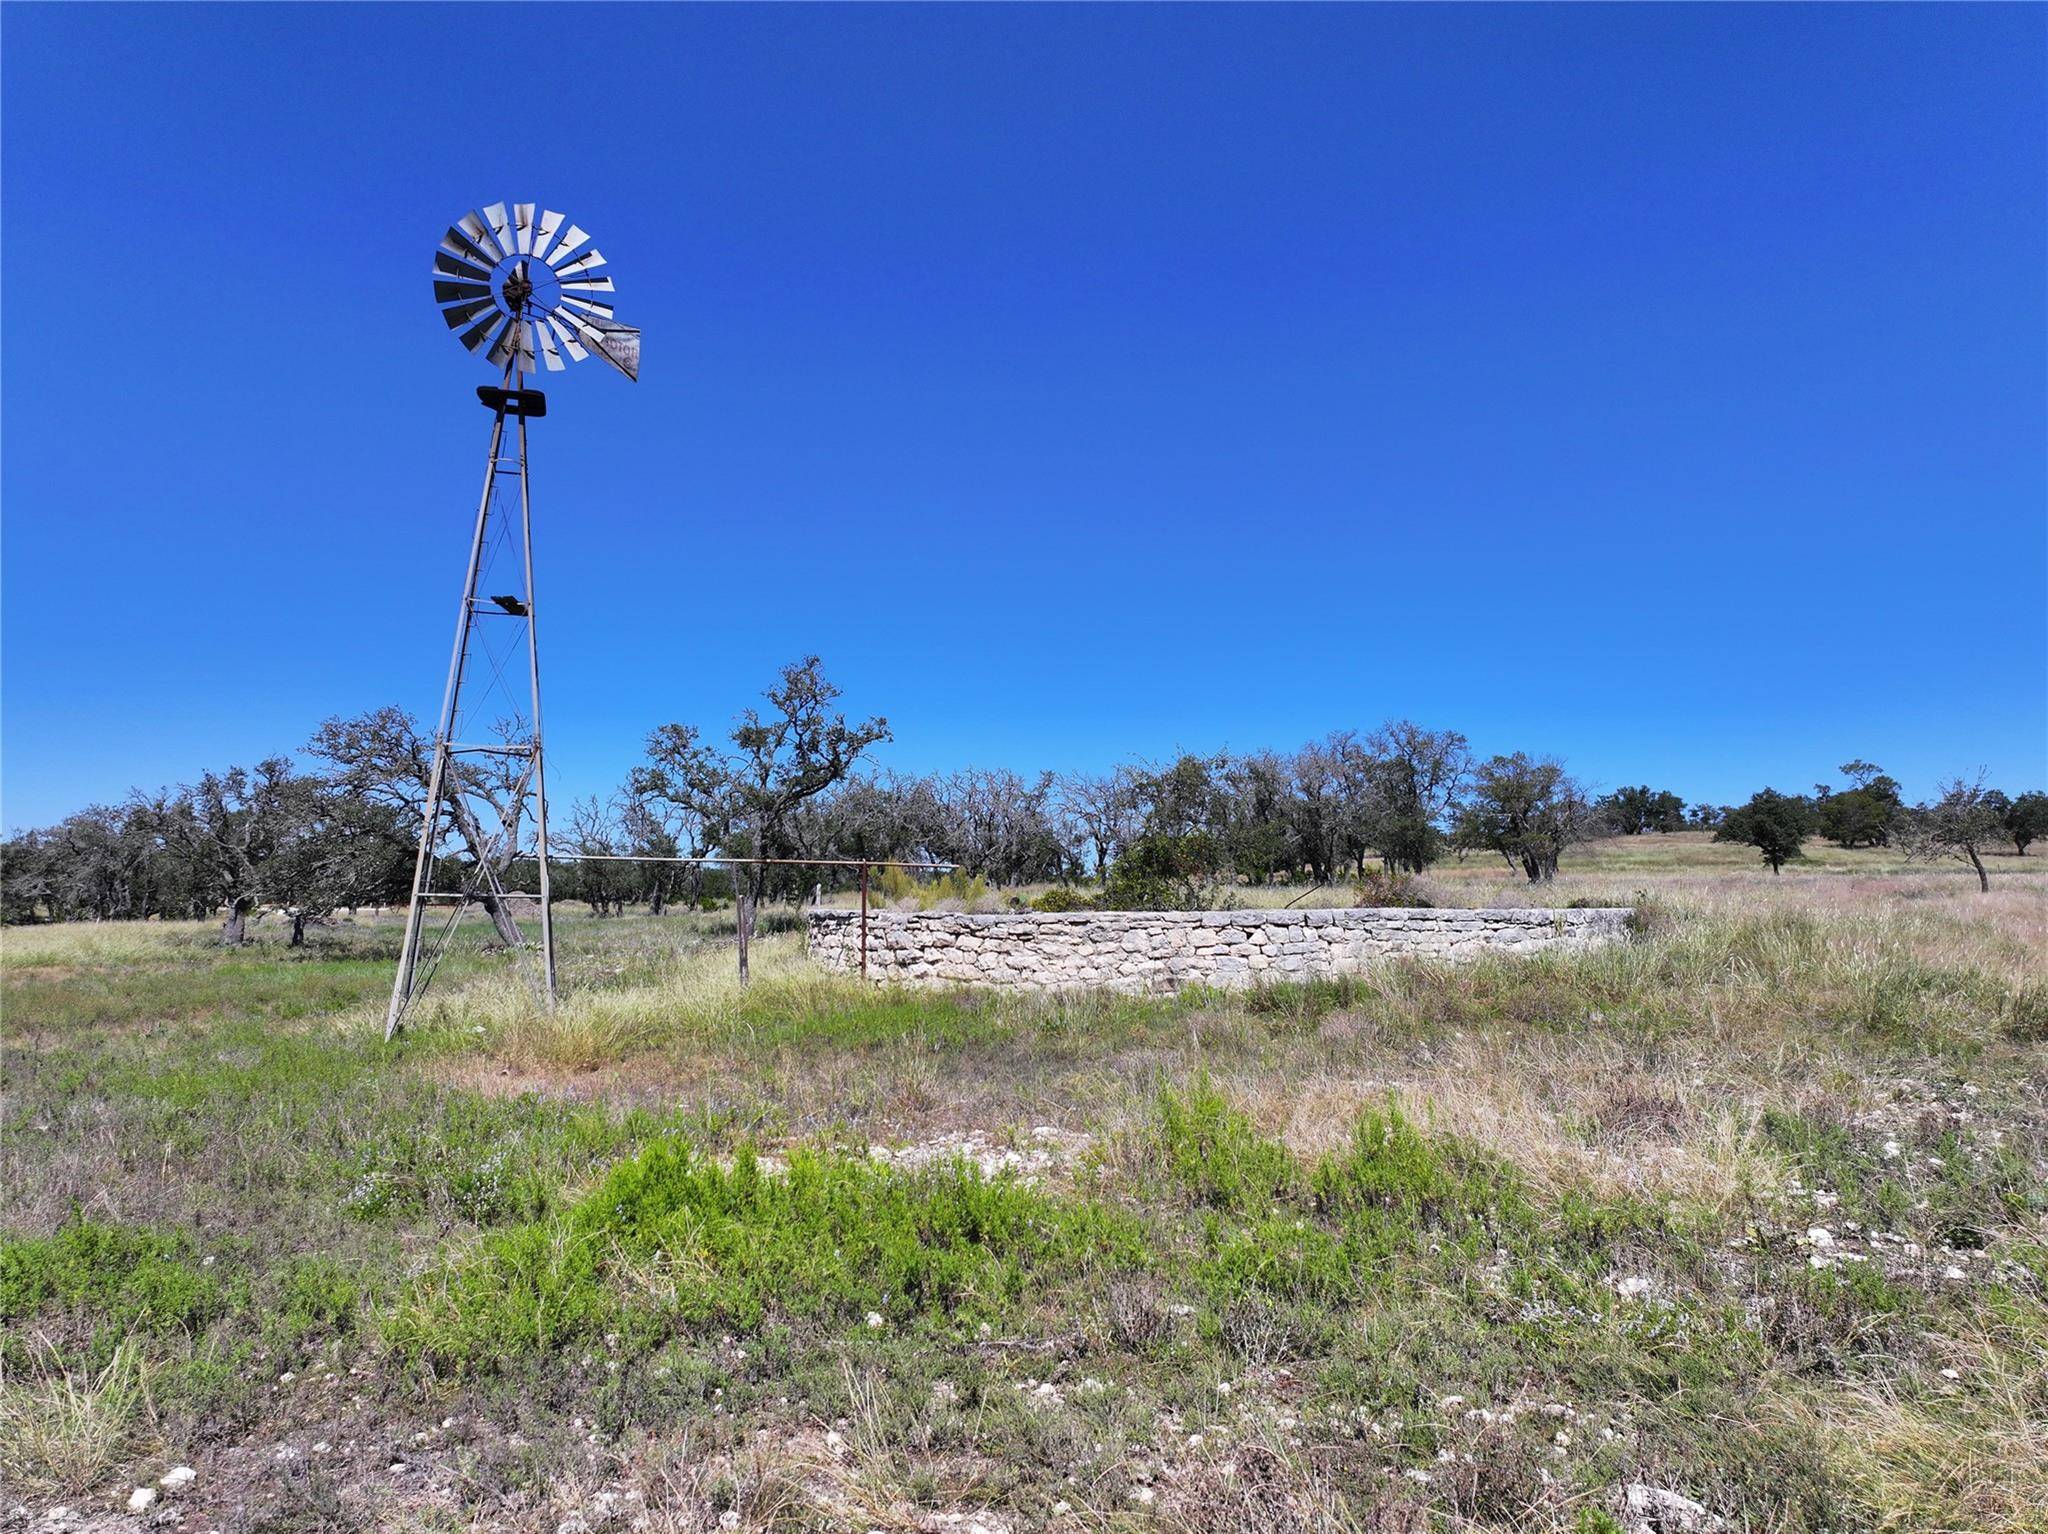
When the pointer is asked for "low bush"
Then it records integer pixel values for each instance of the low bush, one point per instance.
(1379, 887)
(1215, 1156)
(1165, 873)
(1064, 897)
(1393, 1174)
(126, 1278)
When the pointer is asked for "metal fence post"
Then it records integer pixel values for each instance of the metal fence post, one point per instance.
(863, 921)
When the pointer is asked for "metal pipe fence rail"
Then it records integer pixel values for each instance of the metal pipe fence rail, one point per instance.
(865, 865)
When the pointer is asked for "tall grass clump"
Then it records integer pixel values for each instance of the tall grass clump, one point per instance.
(62, 1430)
(2026, 1012)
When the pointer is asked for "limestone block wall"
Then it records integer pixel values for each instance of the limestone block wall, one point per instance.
(1164, 950)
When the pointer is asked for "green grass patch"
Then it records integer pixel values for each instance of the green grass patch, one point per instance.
(119, 1278)
(239, 988)
(673, 1240)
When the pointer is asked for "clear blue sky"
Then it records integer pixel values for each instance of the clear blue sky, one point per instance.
(1661, 387)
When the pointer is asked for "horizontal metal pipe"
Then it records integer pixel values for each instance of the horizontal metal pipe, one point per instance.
(630, 857)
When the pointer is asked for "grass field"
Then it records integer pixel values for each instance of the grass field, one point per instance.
(1748, 1212)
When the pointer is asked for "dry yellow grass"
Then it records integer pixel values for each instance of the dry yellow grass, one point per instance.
(1961, 1456)
(594, 1024)
(1757, 967)
(1568, 1116)
(60, 1430)
(101, 942)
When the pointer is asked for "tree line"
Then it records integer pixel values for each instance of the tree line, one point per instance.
(1965, 820)
(338, 828)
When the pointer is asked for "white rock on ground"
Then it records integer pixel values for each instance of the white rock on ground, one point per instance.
(140, 1499)
(1653, 1510)
(178, 1478)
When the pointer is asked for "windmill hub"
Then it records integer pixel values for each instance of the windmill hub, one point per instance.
(518, 288)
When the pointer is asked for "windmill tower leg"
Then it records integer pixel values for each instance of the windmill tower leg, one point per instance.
(444, 781)
(540, 777)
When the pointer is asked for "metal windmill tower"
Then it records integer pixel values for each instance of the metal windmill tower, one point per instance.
(521, 292)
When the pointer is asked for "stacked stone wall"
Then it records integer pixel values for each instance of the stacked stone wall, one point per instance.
(1165, 950)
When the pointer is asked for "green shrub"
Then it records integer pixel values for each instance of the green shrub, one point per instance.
(1396, 1185)
(956, 884)
(1286, 1257)
(1165, 873)
(1378, 887)
(316, 1295)
(898, 886)
(123, 1278)
(1214, 1155)
(1063, 897)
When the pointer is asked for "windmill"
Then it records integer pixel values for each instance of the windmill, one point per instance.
(524, 293)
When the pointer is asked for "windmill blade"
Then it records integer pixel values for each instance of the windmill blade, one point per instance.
(501, 229)
(582, 306)
(474, 339)
(544, 231)
(567, 336)
(451, 266)
(517, 341)
(507, 344)
(522, 226)
(586, 263)
(570, 241)
(449, 292)
(479, 235)
(548, 354)
(621, 348)
(461, 246)
(459, 315)
(590, 285)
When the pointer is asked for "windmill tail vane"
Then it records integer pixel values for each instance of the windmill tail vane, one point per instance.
(526, 292)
